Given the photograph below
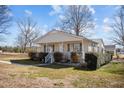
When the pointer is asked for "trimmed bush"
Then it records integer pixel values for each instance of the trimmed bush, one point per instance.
(42, 56)
(91, 60)
(74, 57)
(58, 56)
(107, 57)
(32, 55)
(95, 61)
(37, 56)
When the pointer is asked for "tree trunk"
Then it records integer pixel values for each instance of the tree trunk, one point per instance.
(77, 32)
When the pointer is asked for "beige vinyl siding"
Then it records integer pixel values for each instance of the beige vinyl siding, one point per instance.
(56, 47)
(40, 49)
(86, 44)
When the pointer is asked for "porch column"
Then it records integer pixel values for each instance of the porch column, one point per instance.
(83, 50)
(53, 48)
(46, 47)
(61, 47)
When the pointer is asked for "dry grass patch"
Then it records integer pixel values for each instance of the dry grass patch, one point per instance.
(13, 56)
(18, 58)
(110, 75)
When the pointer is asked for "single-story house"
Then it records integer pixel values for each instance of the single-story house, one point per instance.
(101, 46)
(59, 41)
(110, 48)
(120, 50)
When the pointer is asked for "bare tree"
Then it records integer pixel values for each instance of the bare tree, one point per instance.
(20, 42)
(78, 19)
(118, 27)
(29, 31)
(4, 19)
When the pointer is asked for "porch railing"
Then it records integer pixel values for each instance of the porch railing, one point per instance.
(49, 58)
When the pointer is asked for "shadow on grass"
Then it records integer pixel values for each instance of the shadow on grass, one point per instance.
(29, 62)
(25, 62)
(114, 68)
(56, 66)
(82, 68)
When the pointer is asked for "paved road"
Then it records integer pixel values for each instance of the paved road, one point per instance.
(118, 60)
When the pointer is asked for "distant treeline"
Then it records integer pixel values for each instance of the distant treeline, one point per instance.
(13, 49)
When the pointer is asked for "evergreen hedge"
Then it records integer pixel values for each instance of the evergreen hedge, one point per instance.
(95, 61)
(58, 57)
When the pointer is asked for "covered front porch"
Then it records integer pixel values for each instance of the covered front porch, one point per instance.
(58, 41)
(62, 47)
(79, 47)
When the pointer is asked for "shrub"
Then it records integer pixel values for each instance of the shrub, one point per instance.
(74, 57)
(107, 57)
(58, 56)
(32, 55)
(91, 60)
(41, 56)
(37, 56)
(95, 61)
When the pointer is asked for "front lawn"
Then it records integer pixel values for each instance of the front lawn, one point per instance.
(13, 56)
(59, 76)
(110, 75)
(18, 58)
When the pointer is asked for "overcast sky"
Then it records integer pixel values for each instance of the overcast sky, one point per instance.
(48, 16)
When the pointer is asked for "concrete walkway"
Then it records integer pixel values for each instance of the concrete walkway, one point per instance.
(6, 62)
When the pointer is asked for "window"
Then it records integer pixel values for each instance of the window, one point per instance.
(53, 48)
(80, 47)
(44, 48)
(68, 46)
(77, 47)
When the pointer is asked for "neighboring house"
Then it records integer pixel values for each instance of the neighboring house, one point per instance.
(120, 50)
(110, 48)
(59, 41)
(101, 46)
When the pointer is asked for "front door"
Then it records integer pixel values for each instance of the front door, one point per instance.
(50, 49)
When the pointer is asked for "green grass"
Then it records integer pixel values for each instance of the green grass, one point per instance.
(52, 71)
(110, 75)
(114, 68)
(106, 76)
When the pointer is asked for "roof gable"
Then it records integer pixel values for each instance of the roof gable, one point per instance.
(59, 36)
(100, 41)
